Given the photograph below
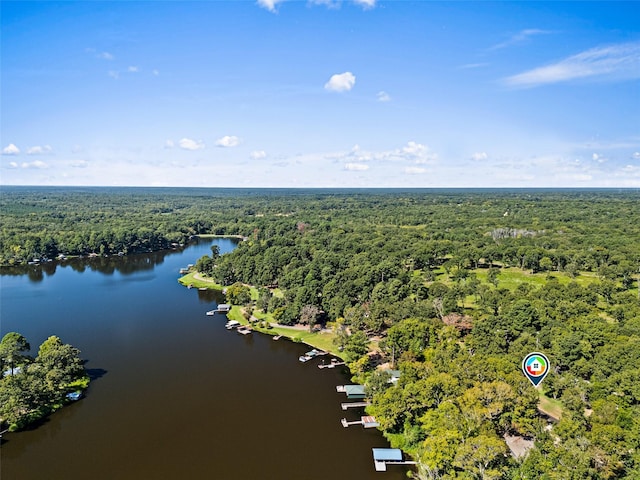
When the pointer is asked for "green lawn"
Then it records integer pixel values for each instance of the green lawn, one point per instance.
(189, 279)
(549, 406)
(321, 340)
(511, 277)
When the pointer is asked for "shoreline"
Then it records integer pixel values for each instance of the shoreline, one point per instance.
(300, 334)
(61, 258)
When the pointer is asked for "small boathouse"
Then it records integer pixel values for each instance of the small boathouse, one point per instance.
(388, 456)
(353, 392)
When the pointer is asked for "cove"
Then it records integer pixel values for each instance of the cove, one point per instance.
(174, 394)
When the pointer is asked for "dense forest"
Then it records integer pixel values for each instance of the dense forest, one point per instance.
(452, 288)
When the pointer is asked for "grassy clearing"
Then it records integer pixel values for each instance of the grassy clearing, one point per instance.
(194, 279)
(322, 340)
(510, 277)
(550, 407)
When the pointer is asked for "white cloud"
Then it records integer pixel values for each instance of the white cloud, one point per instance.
(341, 82)
(189, 144)
(413, 152)
(383, 96)
(520, 37)
(169, 144)
(133, 69)
(334, 4)
(10, 149)
(473, 65)
(228, 141)
(258, 154)
(13, 165)
(35, 164)
(106, 56)
(415, 170)
(416, 152)
(615, 62)
(365, 3)
(636, 155)
(413, 148)
(356, 167)
(269, 4)
(114, 74)
(39, 150)
(79, 164)
(479, 156)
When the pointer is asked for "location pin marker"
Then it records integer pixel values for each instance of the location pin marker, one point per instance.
(535, 367)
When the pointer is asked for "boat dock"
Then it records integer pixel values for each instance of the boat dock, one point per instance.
(366, 421)
(388, 456)
(353, 392)
(244, 330)
(222, 308)
(333, 364)
(346, 406)
(311, 354)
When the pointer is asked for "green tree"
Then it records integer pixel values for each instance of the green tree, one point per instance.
(12, 348)
(238, 294)
(356, 345)
(60, 363)
(484, 457)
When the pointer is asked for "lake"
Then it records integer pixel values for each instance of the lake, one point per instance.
(174, 395)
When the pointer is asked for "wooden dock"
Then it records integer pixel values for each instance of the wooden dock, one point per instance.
(366, 421)
(346, 406)
(332, 364)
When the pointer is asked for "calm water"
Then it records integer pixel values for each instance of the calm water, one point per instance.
(176, 395)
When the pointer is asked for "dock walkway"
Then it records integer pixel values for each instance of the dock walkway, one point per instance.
(366, 421)
(332, 364)
(346, 406)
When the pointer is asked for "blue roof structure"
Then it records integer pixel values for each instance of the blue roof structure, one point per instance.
(387, 454)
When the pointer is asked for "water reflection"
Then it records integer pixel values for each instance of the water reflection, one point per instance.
(107, 265)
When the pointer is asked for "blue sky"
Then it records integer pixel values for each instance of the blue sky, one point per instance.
(320, 94)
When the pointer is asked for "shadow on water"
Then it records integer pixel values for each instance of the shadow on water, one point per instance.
(95, 373)
(208, 296)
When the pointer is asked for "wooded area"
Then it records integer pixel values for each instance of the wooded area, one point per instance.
(32, 388)
(451, 287)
